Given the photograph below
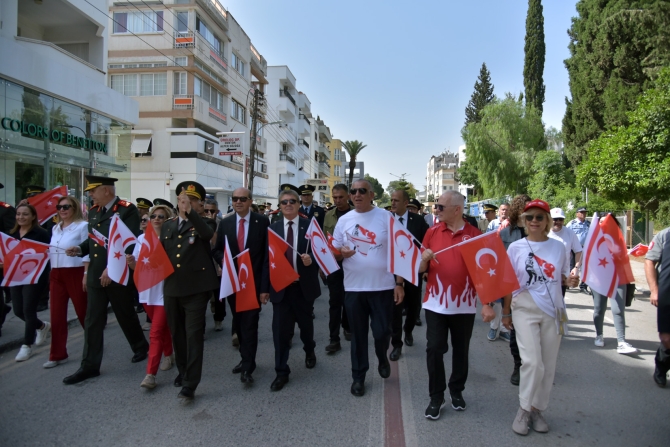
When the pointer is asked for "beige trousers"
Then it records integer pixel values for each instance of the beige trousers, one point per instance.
(538, 343)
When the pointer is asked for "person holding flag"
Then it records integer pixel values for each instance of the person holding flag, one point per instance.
(150, 263)
(26, 296)
(542, 267)
(657, 273)
(294, 302)
(101, 288)
(7, 222)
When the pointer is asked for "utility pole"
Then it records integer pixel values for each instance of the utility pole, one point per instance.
(258, 98)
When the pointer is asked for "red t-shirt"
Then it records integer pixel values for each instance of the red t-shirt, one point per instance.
(450, 289)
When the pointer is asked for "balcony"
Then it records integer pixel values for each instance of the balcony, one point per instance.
(203, 49)
(324, 134)
(258, 63)
(286, 109)
(324, 153)
(304, 105)
(304, 143)
(202, 111)
(182, 102)
(324, 169)
(216, 11)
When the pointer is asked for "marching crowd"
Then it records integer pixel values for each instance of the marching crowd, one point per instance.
(545, 254)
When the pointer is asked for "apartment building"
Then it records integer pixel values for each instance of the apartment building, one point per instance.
(336, 156)
(59, 119)
(441, 174)
(193, 70)
(466, 190)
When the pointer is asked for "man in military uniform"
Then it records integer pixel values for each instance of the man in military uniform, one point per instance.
(164, 202)
(143, 206)
(7, 222)
(277, 215)
(309, 208)
(489, 216)
(186, 240)
(101, 289)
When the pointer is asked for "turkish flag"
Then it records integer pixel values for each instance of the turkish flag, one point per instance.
(120, 238)
(282, 273)
(599, 272)
(45, 203)
(331, 239)
(489, 267)
(404, 257)
(617, 246)
(639, 250)
(25, 263)
(230, 283)
(6, 244)
(153, 265)
(324, 257)
(246, 298)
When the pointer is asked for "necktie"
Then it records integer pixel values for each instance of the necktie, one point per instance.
(434, 220)
(181, 225)
(104, 210)
(240, 235)
(289, 240)
(401, 220)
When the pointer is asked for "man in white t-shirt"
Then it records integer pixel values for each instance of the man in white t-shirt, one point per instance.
(371, 291)
(568, 238)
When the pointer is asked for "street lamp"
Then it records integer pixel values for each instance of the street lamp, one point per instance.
(252, 153)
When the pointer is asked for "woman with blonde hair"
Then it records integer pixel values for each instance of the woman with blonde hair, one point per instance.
(68, 275)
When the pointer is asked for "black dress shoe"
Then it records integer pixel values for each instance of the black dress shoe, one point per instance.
(418, 322)
(516, 376)
(139, 309)
(358, 389)
(81, 375)
(395, 354)
(384, 369)
(333, 347)
(177, 380)
(245, 377)
(139, 356)
(186, 393)
(347, 335)
(310, 360)
(238, 368)
(660, 377)
(279, 383)
(409, 340)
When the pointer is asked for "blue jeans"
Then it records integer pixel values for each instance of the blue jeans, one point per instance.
(617, 303)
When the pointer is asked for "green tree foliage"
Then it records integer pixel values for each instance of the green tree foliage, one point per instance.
(379, 189)
(353, 148)
(482, 96)
(467, 174)
(616, 48)
(401, 184)
(632, 163)
(534, 50)
(552, 181)
(503, 145)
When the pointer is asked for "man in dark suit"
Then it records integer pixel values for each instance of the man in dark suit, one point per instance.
(293, 304)
(7, 222)
(309, 208)
(186, 292)
(101, 289)
(418, 227)
(245, 230)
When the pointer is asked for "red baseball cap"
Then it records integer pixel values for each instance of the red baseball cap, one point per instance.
(537, 203)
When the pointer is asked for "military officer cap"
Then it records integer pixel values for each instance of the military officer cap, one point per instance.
(328, 204)
(489, 207)
(94, 181)
(192, 189)
(581, 209)
(261, 207)
(306, 190)
(289, 187)
(163, 202)
(144, 204)
(32, 190)
(415, 203)
(387, 208)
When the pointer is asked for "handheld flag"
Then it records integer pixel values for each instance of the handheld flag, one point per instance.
(7, 243)
(25, 263)
(639, 250)
(246, 298)
(617, 246)
(120, 238)
(282, 273)
(599, 269)
(229, 281)
(45, 203)
(153, 265)
(98, 238)
(324, 257)
(404, 257)
(331, 240)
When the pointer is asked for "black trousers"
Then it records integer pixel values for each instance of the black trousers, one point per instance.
(219, 305)
(293, 308)
(438, 328)
(123, 304)
(247, 335)
(235, 324)
(514, 349)
(337, 312)
(373, 310)
(412, 297)
(24, 301)
(186, 319)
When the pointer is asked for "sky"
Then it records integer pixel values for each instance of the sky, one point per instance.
(398, 75)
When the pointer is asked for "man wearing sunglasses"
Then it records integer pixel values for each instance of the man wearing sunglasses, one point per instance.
(243, 230)
(371, 292)
(568, 238)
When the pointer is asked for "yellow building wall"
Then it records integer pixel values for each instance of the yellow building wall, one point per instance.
(333, 180)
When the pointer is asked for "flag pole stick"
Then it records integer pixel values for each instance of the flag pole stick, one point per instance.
(465, 242)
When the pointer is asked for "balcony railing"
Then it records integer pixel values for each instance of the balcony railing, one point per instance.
(182, 102)
(304, 143)
(184, 40)
(284, 92)
(218, 115)
(286, 157)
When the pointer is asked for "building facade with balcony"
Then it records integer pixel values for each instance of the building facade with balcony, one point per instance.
(466, 190)
(441, 175)
(193, 70)
(336, 173)
(59, 119)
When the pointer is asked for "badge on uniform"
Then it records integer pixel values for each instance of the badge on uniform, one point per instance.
(191, 240)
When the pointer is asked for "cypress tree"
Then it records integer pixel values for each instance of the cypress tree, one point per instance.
(534, 49)
(482, 96)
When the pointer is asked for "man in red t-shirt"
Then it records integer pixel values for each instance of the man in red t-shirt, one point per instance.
(450, 303)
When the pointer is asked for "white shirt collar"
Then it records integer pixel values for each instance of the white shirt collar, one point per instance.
(108, 206)
(246, 218)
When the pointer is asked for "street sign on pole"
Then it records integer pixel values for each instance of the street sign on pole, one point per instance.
(232, 143)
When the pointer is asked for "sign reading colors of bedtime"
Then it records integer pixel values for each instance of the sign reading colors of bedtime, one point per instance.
(55, 135)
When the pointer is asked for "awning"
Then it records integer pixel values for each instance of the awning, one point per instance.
(140, 144)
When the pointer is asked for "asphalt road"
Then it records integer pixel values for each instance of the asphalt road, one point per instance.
(600, 397)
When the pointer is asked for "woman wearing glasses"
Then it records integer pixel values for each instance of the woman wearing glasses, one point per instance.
(538, 309)
(160, 339)
(68, 275)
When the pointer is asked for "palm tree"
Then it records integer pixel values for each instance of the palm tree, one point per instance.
(353, 148)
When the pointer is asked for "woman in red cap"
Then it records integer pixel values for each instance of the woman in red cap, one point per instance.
(539, 312)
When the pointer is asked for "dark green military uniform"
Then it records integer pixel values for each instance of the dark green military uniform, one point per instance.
(186, 292)
(120, 297)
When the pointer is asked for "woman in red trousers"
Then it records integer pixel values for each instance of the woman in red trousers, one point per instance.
(68, 275)
(160, 339)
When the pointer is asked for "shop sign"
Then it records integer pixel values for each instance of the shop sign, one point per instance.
(54, 135)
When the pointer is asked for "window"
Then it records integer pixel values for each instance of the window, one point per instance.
(180, 83)
(181, 61)
(152, 84)
(182, 22)
(337, 154)
(210, 72)
(208, 93)
(336, 170)
(447, 176)
(138, 22)
(209, 36)
(238, 64)
(238, 112)
(444, 188)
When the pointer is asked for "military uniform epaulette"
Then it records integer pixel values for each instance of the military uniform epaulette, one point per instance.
(171, 219)
(124, 203)
(304, 216)
(6, 205)
(55, 219)
(274, 212)
(95, 207)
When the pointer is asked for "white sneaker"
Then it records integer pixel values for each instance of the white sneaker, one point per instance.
(218, 326)
(600, 342)
(24, 353)
(43, 334)
(625, 348)
(167, 362)
(54, 363)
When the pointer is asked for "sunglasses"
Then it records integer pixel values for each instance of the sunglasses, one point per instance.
(559, 220)
(144, 220)
(157, 216)
(442, 207)
(354, 191)
(287, 201)
(211, 211)
(240, 199)
(63, 207)
(538, 217)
